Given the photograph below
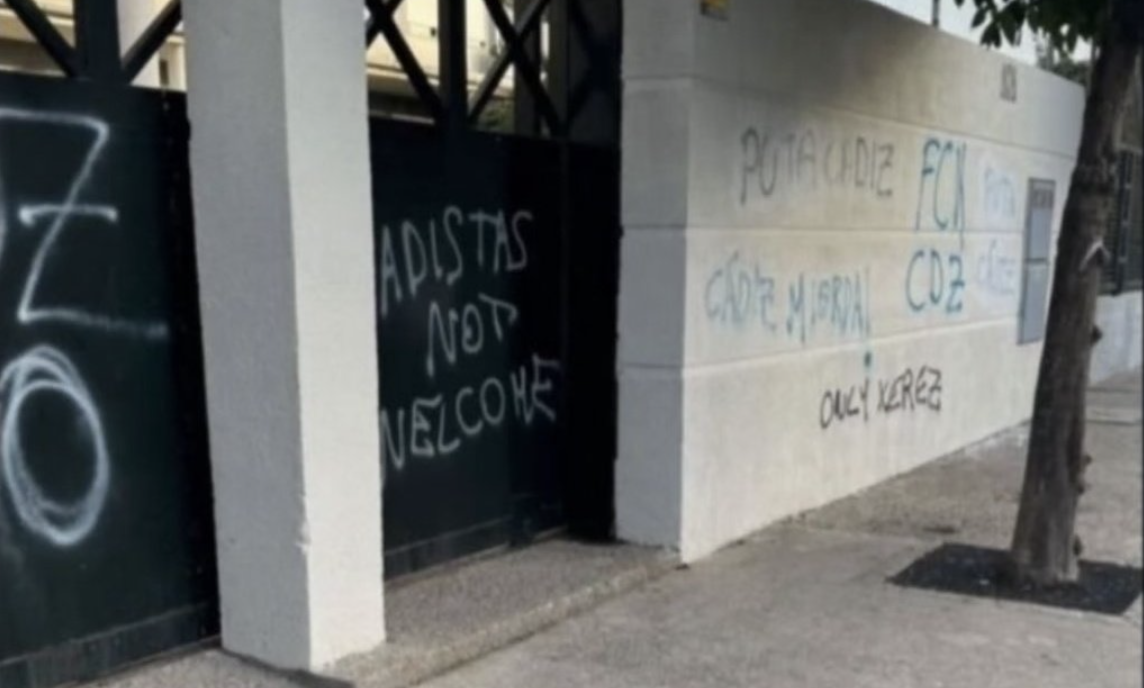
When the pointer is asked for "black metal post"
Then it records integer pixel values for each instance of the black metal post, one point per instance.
(452, 38)
(97, 40)
(584, 82)
(560, 75)
(525, 117)
(33, 18)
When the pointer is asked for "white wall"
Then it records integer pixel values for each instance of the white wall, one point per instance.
(723, 374)
(1120, 318)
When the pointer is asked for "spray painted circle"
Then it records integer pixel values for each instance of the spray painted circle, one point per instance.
(44, 370)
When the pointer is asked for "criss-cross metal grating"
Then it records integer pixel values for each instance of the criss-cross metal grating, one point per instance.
(552, 87)
(97, 53)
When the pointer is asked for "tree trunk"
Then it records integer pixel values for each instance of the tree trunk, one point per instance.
(1045, 548)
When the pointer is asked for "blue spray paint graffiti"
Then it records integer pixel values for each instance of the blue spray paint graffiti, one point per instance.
(935, 278)
(942, 187)
(741, 295)
(998, 196)
(997, 273)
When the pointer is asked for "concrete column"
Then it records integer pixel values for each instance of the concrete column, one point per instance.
(659, 45)
(280, 162)
(134, 17)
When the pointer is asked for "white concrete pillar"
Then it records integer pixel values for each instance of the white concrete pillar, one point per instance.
(659, 47)
(134, 17)
(280, 162)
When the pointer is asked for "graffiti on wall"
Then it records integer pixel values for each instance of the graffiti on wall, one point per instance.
(935, 274)
(999, 201)
(807, 159)
(915, 389)
(742, 295)
(998, 271)
(43, 370)
(938, 277)
(420, 262)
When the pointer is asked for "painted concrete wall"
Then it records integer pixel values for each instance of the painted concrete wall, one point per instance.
(822, 262)
(1120, 317)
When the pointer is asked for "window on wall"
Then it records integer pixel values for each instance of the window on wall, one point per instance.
(1038, 250)
(1134, 265)
(1125, 235)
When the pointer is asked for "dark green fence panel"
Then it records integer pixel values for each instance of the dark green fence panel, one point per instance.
(496, 278)
(469, 303)
(106, 536)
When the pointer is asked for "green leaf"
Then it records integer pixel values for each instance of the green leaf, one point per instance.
(1010, 29)
(1018, 10)
(979, 17)
(991, 36)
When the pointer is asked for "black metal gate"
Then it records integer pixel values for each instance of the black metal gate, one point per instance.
(497, 240)
(106, 535)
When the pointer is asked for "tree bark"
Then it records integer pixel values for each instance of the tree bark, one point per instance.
(1045, 548)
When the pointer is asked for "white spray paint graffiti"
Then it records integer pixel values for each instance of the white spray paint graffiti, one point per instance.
(414, 257)
(59, 214)
(442, 251)
(470, 319)
(44, 370)
(436, 426)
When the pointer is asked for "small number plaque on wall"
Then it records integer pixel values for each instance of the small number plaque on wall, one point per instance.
(716, 9)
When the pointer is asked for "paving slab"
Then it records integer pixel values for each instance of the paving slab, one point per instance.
(802, 608)
(440, 621)
(208, 669)
(808, 604)
(972, 496)
(444, 618)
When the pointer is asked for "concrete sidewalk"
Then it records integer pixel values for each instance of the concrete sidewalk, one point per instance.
(806, 603)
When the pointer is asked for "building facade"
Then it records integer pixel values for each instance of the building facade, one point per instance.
(359, 292)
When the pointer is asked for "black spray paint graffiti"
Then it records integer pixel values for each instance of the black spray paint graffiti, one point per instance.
(911, 390)
(741, 295)
(935, 278)
(45, 370)
(773, 162)
(416, 258)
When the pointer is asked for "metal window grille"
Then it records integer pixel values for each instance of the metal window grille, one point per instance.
(556, 82)
(97, 54)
